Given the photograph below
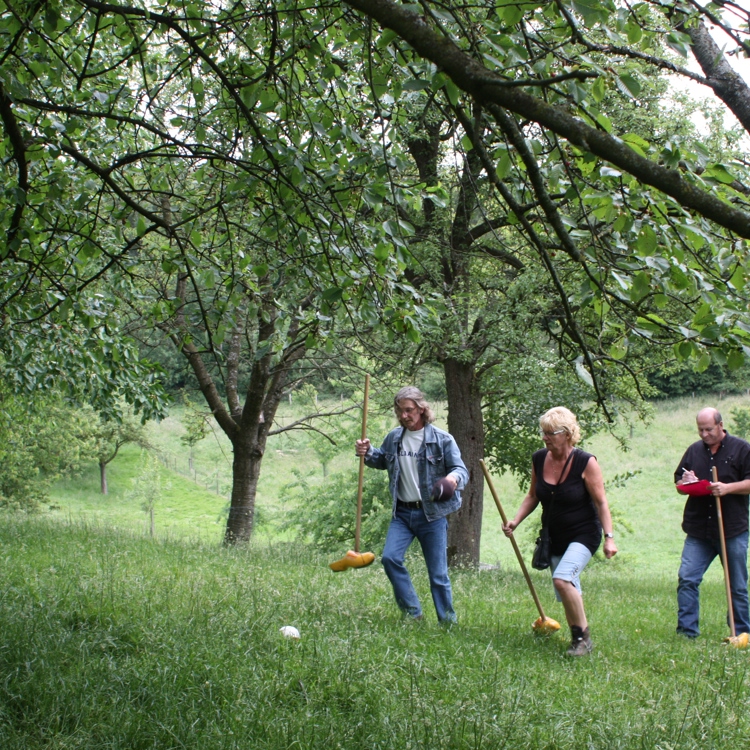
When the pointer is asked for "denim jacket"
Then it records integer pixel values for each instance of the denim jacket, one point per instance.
(438, 457)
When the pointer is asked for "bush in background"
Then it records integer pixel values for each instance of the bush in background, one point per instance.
(683, 380)
(41, 439)
(325, 516)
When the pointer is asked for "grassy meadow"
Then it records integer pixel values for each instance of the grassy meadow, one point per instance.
(110, 639)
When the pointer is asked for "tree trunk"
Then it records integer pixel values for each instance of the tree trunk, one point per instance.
(103, 477)
(248, 455)
(466, 425)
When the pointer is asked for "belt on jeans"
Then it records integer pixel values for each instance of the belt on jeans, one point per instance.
(416, 505)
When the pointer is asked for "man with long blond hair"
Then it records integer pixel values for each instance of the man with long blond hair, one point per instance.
(426, 476)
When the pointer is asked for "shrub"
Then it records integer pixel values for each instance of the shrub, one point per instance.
(41, 439)
(325, 516)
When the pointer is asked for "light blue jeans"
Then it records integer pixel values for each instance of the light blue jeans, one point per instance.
(697, 555)
(405, 526)
(569, 566)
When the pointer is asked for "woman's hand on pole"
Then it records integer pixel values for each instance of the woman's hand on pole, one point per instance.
(509, 527)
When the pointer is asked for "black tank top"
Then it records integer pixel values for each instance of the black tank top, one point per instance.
(574, 517)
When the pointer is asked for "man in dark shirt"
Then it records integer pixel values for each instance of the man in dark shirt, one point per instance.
(731, 457)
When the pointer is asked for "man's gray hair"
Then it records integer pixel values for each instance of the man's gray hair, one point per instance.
(414, 394)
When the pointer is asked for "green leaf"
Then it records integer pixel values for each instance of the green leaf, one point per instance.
(333, 294)
(452, 90)
(599, 89)
(684, 350)
(415, 84)
(628, 84)
(592, 11)
(373, 198)
(647, 241)
(679, 42)
(736, 359)
(711, 332)
(634, 31)
(619, 349)
(386, 37)
(738, 278)
(703, 363)
(604, 122)
(503, 166)
(511, 14)
(640, 287)
(719, 173)
(638, 144)
(703, 316)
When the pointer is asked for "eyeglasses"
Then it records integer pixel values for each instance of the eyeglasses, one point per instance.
(544, 433)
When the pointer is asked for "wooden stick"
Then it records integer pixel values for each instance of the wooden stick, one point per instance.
(724, 560)
(513, 541)
(360, 484)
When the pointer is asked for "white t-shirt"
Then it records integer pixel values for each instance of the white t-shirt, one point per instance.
(408, 479)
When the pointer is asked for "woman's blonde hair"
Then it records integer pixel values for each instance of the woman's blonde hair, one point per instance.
(560, 418)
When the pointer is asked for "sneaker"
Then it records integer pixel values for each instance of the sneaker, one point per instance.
(580, 644)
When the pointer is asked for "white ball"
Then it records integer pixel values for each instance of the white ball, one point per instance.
(289, 631)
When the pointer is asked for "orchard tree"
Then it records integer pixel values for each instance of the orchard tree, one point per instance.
(641, 238)
(665, 223)
(107, 436)
(41, 440)
(236, 171)
(211, 162)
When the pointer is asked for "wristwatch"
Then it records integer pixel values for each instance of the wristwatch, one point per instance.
(609, 536)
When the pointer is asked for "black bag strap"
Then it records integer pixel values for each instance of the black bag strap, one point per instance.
(565, 466)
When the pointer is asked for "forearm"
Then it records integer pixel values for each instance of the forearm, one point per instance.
(454, 465)
(605, 517)
(526, 508)
(735, 488)
(460, 474)
(375, 459)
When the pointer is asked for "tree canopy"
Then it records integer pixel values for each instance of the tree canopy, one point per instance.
(252, 181)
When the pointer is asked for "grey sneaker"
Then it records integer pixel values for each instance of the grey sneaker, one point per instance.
(580, 645)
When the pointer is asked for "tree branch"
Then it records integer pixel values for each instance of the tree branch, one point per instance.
(485, 86)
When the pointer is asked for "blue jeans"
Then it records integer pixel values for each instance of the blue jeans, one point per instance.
(697, 555)
(433, 536)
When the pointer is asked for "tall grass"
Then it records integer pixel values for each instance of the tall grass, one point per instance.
(109, 640)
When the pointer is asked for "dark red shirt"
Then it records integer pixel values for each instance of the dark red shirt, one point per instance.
(732, 462)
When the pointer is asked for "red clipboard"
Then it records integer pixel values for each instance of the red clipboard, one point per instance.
(695, 489)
